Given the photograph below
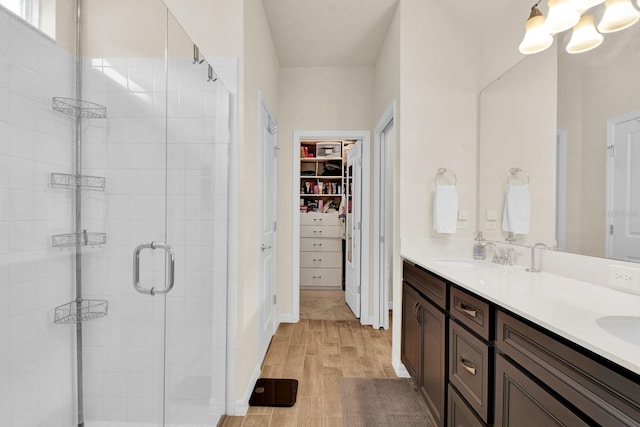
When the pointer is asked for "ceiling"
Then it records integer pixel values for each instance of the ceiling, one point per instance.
(342, 33)
(329, 33)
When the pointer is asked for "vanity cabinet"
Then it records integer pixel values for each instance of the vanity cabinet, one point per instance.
(499, 369)
(520, 402)
(424, 327)
(601, 393)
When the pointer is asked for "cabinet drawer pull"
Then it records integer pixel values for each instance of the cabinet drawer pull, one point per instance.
(317, 244)
(468, 368)
(416, 308)
(317, 260)
(469, 311)
(317, 277)
(317, 231)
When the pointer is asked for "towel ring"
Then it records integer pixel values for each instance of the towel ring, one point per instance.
(517, 173)
(441, 173)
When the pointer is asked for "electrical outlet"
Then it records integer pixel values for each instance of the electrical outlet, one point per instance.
(490, 225)
(624, 278)
(462, 225)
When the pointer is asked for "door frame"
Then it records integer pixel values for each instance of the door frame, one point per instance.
(264, 340)
(562, 136)
(365, 137)
(380, 315)
(610, 172)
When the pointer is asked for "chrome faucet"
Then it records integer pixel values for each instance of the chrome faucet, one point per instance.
(501, 255)
(533, 247)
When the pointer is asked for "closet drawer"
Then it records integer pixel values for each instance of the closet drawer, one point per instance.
(309, 244)
(469, 368)
(333, 231)
(321, 259)
(311, 277)
(319, 219)
(470, 311)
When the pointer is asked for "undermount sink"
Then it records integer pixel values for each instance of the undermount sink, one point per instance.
(464, 263)
(623, 327)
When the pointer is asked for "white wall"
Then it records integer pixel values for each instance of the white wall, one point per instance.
(37, 372)
(439, 66)
(387, 90)
(439, 89)
(313, 99)
(260, 73)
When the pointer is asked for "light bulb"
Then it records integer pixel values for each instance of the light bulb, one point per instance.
(562, 16)
(618, 15)
(583, 5)
(584, 37)
(536, 38)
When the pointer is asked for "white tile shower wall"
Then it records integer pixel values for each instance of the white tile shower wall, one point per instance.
(37, 373)
(129, 149)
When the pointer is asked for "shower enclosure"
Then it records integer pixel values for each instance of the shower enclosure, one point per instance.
(114, 176)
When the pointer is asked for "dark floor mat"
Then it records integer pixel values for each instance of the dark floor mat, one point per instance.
(274, 392)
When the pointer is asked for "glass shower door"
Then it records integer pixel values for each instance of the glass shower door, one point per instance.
(125, 70)
(158, 358)
(197, 162)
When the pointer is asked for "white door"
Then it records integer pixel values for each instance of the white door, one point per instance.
(624, 208)
(267, 278)
(353, 227)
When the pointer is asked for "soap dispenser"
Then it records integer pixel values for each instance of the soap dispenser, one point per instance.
(479, 248)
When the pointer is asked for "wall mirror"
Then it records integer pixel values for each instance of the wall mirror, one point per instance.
(552, 114)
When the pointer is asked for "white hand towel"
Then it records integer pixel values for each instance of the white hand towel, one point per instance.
(517, 209)
(445, 209)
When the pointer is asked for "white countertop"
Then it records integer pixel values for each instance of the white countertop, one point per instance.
(561, 305)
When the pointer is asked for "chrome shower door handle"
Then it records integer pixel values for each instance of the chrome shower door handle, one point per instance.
(170, 274)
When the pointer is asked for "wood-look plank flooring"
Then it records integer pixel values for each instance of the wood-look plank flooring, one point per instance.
(318, 353)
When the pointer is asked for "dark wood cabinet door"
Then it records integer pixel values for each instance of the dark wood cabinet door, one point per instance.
(410, 341)
(434, 358)
(520, 402)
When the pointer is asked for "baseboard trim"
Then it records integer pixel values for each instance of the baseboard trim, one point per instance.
(286, 318)
(241, 406)
(401, 371)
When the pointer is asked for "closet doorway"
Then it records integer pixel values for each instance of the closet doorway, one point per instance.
(319, 240)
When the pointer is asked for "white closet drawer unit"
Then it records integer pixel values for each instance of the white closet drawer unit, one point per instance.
(334, 231)
(319, 219)
(321, 278)
(321, 259)
(310, 244)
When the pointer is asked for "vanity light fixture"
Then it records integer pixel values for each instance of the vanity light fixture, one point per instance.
(585, 36)
(583, 5)
(564, 14)
(618, 15)
(536, 38)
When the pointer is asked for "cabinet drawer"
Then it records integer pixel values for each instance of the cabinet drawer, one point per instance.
(470, 311)
(520, 402)
(319, 277)
(460, 415)
(319, 219)
(309, 244)
(333, 231)
(469, 360)
(321, 259)
(429, 285)
(604, 394)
